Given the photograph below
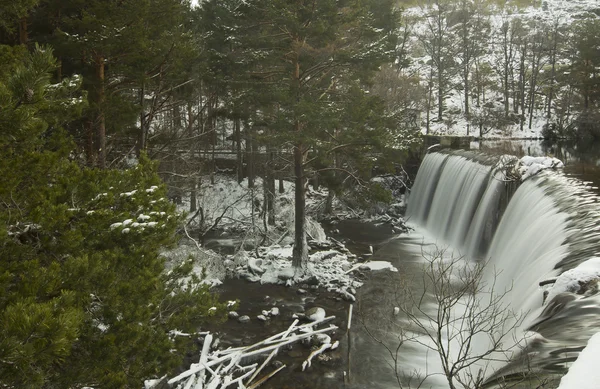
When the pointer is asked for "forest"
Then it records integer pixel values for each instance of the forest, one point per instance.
(114, 113)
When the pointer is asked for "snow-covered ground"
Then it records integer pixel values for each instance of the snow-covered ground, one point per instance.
(265, 256)
(584, 372)
(548, 12)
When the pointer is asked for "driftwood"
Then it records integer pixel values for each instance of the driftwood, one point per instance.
(223, 368)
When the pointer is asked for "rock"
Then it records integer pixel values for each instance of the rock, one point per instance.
(396, 311)
(262, 318)
(274, 311)
(312, 280)
(233, 315)
(254, 266)
(244, 319)
(301, 291)
(286, 274)
(265, 313)
(248, 276)
(315, 313)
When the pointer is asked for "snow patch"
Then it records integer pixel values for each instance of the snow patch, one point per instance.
(572, 280)
(584, 373)
(380, 265)
(530, 166)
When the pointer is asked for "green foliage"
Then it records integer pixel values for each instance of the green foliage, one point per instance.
(84, 296)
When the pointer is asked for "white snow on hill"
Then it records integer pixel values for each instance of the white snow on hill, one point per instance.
(549, 12)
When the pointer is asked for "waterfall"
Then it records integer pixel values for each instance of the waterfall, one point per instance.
(457, 199)
(549, 224)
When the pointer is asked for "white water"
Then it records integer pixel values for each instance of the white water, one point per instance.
(544, 230)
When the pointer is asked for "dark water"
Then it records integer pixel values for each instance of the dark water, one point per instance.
(377, 361)
(254, 297)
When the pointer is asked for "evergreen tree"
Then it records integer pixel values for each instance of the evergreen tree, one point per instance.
(300, 57)
(131, 55)
(84, 296)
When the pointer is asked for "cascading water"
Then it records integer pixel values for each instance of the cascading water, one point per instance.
(549, 224)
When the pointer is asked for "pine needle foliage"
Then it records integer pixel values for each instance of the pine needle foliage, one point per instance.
(84, 296)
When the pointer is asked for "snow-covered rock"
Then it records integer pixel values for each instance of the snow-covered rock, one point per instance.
(315, 313)
(262, 318)
(378, 265)
(530, 166)
(254, 266)
(582, 279)
(244, 319)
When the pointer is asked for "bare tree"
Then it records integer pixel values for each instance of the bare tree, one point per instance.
(453, 315)
(437, 41)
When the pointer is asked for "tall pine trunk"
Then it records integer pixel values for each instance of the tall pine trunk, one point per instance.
(249, 156)
(23, 33)
(300, 252)
(237, 136)
(269, 187)
(143, 132)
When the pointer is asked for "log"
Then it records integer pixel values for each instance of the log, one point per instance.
(198, 368)
(265, 378)
(320, 350)
(203, 359)
(273, 353)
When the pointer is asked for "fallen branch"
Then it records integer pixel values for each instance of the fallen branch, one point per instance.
(233, 356)
(273, 353)
(320, 350)
(265, 378)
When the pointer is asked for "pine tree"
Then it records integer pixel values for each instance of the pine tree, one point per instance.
(299, 58)
(131, 55)
(84, 296)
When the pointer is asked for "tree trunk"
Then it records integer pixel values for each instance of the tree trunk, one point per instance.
(193, 174)
(249, 156)
(329, 202)
(467, 112)
(553, 74)
(23, 33)
(429, 100)
(100, 119)
(522, 72)
(440, 96)
(238, 148)
(534, 71)
(269, 188)
(142, 140)
(300, 252)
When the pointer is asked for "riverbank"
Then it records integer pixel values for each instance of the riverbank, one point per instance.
(268, 301)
